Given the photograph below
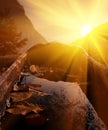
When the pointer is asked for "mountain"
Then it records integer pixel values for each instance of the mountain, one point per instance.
(12, 9)
(70, 61)
(85, 61)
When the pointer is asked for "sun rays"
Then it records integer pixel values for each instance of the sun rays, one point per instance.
(65, 20)
(62, 20)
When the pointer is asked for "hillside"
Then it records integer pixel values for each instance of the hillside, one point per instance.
(70, 61)
(12, 9)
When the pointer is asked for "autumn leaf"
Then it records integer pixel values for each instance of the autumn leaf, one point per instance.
(20, 96)
(24, 109)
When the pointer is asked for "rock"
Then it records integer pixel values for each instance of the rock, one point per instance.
(21, 88)
(34, 69)
(67, 107)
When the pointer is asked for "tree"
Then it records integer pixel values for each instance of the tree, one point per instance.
(10, 38)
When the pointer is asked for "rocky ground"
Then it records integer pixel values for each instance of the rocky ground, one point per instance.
(48, 105)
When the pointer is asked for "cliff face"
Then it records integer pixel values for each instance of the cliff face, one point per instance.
(14, 10)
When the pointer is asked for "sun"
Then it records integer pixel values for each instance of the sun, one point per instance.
(85, 29)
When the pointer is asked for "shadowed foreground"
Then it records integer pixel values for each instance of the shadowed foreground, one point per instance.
(67, 107)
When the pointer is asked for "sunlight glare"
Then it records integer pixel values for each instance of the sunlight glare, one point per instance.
(85, 29)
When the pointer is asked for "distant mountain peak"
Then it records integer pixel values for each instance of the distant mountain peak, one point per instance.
(13, 9)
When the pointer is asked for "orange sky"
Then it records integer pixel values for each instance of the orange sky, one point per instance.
(61, 20)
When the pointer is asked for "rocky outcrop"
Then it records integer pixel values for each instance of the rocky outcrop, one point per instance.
(67, 107)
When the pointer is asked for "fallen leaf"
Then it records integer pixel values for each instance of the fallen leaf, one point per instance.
(24, 109)
(20, 96)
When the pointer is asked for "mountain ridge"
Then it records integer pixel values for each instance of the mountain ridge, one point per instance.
(15, 10)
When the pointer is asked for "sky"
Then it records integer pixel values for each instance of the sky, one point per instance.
(62, 20)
